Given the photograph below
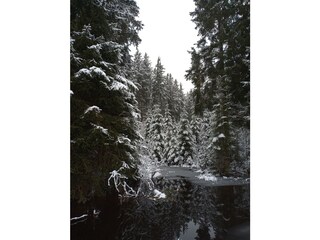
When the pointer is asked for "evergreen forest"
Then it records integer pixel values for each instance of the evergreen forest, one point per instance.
(128, 113)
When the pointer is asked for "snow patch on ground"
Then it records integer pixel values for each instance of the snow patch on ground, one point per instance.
(158, 194)
(185, 165)
(207, 177)
(157, 174)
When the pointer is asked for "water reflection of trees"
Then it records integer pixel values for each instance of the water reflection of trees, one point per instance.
(165, 219)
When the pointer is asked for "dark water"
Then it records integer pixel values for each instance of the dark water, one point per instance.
(189, 211)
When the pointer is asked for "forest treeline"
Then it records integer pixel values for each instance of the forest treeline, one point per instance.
(120, 102)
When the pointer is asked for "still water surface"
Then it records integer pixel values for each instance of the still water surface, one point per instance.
(189, 211)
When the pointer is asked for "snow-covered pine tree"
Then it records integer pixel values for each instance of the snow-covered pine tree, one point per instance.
(189, 106)
(176, 101)
(156, 142)
(242, 166)
(169, 90)
(158, 86)
(147, 83)
(195, 129)
(136, 76)
(148, 126)
(196, 76)
(184, 149)
(224, 141)
(220, 71)
(203, 148)
(103, 106)
(141, 74)
(168, 134)
(172, 145)
(181, 103)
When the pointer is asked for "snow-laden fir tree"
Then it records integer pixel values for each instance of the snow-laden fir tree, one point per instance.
(147, 76)
(220, 71)
(155, 137)
(242, 166)
(175, 101)
(184, 145)
(203, 148)
(195, 129)
(189, 106)
(158, 86)
(142, 75)
(168, 135)
(172, 152)
(147, 124)
(224, 141)
(103, 106)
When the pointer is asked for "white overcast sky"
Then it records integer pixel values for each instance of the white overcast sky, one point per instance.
(169, 33)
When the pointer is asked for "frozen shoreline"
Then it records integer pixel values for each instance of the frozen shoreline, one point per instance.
(197, 177)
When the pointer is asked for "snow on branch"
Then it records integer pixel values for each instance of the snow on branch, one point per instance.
(83, 71)
(93, 108)
(221, 135)
(118, 86)
(119, 182)
(127, 82)
(102, 129)
(135, 115)
(91, 72)
(123, 139)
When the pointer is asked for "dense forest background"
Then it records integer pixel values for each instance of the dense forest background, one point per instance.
(123, 108)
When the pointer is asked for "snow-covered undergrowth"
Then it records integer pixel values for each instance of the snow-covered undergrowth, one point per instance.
(148, 170)
(157, 174)
(146, 167)
(184, 166)
(158, 194)
(120, 184)
(207, 177)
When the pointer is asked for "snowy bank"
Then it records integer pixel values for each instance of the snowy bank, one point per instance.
(158, 194)
(207, 177)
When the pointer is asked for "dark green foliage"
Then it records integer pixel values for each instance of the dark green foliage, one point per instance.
(223, 50)
(196, 75)
(189, 106)
(158, 86)
(220, 71)
(223, 141)
(103, 105)
(142, 76)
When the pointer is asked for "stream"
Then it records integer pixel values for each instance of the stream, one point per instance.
(192, 209)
